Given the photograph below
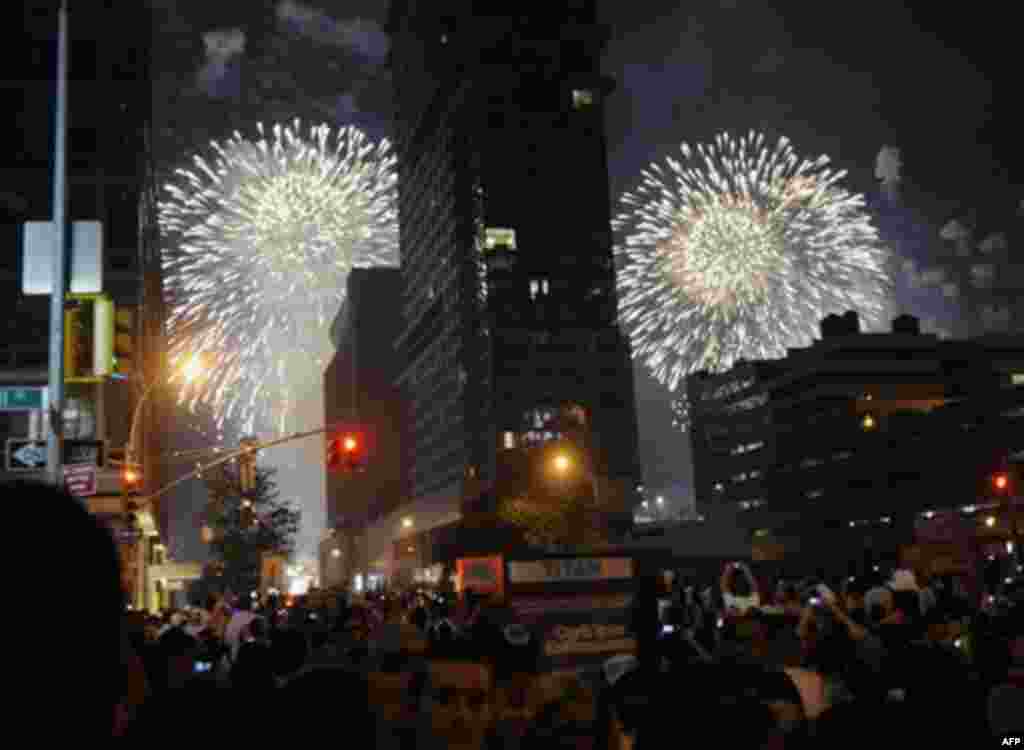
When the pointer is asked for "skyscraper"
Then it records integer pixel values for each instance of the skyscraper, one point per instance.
(506, 251)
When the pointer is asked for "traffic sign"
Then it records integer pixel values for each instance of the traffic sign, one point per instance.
(25, 455)
(21, 399)
(84, 452)
(80, 479)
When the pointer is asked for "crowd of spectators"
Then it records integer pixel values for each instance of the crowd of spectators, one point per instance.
(803, 664)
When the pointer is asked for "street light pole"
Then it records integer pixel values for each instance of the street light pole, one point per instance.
(189, 370)
(54, 440)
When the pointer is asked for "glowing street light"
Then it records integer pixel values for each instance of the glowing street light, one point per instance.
(990, 521)
(189, 371)
(407, 523)
(335, 552)
(192, 369)
(562, 463)
(868, 423)
(661, 500)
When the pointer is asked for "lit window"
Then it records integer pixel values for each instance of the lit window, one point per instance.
(545, 288)
(534, 288)
(509, 440)
(582, 98)
(500, 238)
(1017, 378)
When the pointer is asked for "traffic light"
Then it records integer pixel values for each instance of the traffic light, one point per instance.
(345, 452)
(1000, 482)
(124, 364)
(131, 480)
(247, 465)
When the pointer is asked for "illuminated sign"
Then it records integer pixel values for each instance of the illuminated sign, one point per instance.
(571, 569)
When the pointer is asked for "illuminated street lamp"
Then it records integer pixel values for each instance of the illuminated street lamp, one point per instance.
(335, 552)
(407, 523)
(190, 371)
(562, 463)
(868, 423)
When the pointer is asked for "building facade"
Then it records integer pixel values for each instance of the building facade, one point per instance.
(360, 394)
(110, 181)
(858, 432)
(510, 311)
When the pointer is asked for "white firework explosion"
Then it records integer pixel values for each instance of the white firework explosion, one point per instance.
(258, 244)
(737, 252)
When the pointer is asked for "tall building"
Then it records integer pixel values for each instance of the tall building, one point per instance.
(109, 180)
(361, 396)
(511, 338)
(857, 432)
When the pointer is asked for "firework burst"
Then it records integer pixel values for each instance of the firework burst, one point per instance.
(258, 242)
(737, 252)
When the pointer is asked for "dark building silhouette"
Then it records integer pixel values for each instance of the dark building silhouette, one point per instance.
(110, 180)
(506, 252)
(862, 432)
(360, 395)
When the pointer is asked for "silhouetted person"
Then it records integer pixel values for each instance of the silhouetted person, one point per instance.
(74, 573)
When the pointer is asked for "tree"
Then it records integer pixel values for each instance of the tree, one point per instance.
(550, 521)
(246, 528)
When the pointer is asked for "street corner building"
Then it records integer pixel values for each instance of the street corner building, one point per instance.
(114, 308)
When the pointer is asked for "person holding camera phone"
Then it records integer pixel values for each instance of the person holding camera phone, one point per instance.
(740, 593)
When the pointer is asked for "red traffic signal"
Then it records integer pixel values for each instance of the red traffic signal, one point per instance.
(131, 480)
(345, 452)
(1000, 482)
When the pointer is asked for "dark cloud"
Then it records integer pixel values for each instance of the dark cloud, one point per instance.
(360, 35)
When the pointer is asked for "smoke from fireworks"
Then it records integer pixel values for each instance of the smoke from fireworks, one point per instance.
(737, 252)
(259, 242)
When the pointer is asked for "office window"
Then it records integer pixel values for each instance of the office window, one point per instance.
(497, 238)
(582, 98)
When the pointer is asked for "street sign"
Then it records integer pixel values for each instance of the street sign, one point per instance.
(25, 455)
(89, 452)
(80, 479)
(40, 241)
(21, 399)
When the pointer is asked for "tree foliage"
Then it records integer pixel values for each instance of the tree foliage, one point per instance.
(246, 528)
(548, 522)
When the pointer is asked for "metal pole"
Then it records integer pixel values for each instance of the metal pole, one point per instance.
(54, 438)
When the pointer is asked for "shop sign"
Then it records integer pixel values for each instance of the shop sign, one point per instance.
(576, 569)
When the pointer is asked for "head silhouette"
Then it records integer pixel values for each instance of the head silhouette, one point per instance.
(76, 575)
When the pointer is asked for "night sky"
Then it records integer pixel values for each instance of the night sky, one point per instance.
(840, 79)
